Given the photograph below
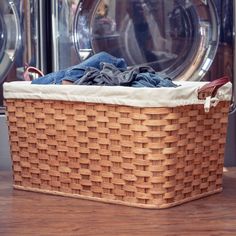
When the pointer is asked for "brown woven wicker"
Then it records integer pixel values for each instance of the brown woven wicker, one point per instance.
(143, 157)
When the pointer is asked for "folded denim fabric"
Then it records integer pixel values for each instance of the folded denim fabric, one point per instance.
(76, 72)
(139, 76)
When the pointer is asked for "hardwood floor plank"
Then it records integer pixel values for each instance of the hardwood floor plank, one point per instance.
(26, 213)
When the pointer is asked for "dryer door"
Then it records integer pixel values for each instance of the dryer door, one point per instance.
(176, 37)
(9, 36)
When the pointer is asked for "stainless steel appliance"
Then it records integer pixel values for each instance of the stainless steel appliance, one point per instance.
(181, 38)
(229, 22)
(22, 38)
(22, 42)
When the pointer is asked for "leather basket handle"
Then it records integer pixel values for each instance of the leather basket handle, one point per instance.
(31, 69)
(210, 89)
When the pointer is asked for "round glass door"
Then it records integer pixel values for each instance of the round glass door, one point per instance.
(9, 36)
(176, 37)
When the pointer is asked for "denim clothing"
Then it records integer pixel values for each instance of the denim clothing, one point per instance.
(107, 75)
(140, 76)
(76, 72)
(151, 80)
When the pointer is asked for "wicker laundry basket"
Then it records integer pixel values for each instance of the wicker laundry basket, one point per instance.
(116, 147)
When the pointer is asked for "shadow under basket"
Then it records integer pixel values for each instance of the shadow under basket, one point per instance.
(149, 157)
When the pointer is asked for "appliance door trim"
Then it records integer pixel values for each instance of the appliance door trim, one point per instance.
(54, 19)
(10, 54)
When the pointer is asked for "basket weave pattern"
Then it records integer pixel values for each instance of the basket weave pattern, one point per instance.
(145, 157)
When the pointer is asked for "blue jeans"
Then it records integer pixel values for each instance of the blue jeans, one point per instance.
(74, 73)
(138, 76)
(152, 80)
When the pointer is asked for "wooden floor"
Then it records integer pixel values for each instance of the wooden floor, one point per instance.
(27, 213)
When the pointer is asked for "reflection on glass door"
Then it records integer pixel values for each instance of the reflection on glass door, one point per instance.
(179, 38)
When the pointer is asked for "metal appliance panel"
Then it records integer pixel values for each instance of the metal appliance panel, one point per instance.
(178, 38)
(20, 39)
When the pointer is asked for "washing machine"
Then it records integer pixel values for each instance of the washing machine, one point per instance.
(177, 37)
(22, 42)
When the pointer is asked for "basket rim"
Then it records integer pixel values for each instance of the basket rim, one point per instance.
(186, 94)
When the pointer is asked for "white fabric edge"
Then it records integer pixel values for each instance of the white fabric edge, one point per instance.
(186, 94)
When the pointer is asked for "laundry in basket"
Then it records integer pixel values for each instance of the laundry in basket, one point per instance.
(142, 147)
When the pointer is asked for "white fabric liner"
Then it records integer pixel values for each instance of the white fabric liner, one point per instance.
(186, 94)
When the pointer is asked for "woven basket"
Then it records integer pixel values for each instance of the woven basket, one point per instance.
(143, 157)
